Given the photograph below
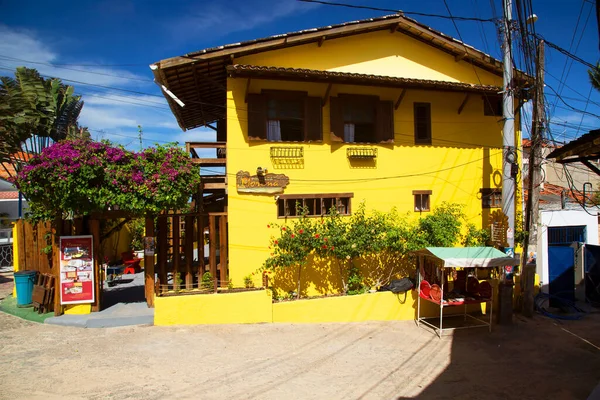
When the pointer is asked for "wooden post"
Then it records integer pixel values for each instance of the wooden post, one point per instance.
(162, 250)
(56, 265)
(95, 231)
(201, 267)
(176, 256)
(223, 249)
(189, 251)
(212, 231)
(149, 265)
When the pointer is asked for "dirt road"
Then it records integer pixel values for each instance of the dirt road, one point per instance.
(533, 359)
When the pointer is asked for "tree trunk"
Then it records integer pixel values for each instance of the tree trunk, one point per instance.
(344, 285)
(299, 275)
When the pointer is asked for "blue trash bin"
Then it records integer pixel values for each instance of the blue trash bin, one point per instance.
(24, 281)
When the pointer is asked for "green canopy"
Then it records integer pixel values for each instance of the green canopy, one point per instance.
(468, 257)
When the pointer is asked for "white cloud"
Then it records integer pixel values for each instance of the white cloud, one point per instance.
(219, 18)
(109, 114)
(196, 135)
(119, 99)
(24, 47)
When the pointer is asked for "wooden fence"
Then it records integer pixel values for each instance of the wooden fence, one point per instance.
(181, 257)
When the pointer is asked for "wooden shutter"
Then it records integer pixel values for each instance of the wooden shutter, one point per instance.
(384, 122)
(257, 116)
(313, 122)
(422, 115)
(336, 118)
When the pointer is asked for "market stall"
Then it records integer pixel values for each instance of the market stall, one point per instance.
(437, 266)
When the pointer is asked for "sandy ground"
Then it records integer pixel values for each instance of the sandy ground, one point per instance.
(533, 359)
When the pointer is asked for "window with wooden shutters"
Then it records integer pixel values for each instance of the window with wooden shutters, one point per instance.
(284, 116)
(492, 106)
(422, 202)
(361, 119)
(315, 205)
(422, 115)
(491, 198)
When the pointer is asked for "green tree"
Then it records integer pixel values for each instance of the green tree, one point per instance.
(34, 113)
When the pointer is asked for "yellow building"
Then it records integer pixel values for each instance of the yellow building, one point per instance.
(385, 110)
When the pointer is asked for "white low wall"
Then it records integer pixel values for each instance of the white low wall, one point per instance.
(562, 218)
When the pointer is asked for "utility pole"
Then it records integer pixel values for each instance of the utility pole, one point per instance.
(535, 164)
(509, 156)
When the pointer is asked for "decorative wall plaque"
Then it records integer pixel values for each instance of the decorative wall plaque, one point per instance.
(264, 183)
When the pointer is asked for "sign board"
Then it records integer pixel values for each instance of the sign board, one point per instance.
(149, 245)
(76, 269)
(267, 183)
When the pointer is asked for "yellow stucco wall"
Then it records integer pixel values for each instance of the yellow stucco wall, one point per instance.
(465, 154)
(78, 309)
(15, 256)
(379, 53)
(230, 308)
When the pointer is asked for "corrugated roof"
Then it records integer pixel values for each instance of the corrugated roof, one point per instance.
(239, 70)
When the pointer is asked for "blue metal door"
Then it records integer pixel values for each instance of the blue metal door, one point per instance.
(561, 271)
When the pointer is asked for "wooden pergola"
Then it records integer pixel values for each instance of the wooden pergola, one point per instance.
(583, 150)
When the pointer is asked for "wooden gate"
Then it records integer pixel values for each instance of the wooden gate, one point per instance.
(188, 246)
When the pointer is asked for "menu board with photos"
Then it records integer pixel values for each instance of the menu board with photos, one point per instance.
(76, 269)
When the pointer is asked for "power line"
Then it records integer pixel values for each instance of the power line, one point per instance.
(565, 52)
(8, 58)
(377, 178)
(129, 137)
(570, 65)
(570, 106)
(125, 101)
(330, 3)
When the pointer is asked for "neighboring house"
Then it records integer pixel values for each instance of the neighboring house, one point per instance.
(567, 222)
(384, 110)
(561, 174)
(9, 195)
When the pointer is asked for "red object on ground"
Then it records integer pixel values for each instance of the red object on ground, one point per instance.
(435, 293)
(425, 288)
(132, 263)
(485, 290)
(472, 285)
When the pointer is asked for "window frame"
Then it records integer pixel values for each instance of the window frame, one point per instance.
(358, 100)
(417, 122)
(491, 198)
(284, 202)
(488, 105)
(382, 124)
(258, 115)
(418, 194)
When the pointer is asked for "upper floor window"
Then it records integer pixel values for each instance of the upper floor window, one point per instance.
(492, 106)
(284, 116)
(422, 115)
(361, 119)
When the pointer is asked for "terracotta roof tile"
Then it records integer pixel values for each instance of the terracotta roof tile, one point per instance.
(12, 195)
(7, 170)
(552, 194)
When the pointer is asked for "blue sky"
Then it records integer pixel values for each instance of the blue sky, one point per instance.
(112, 42)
